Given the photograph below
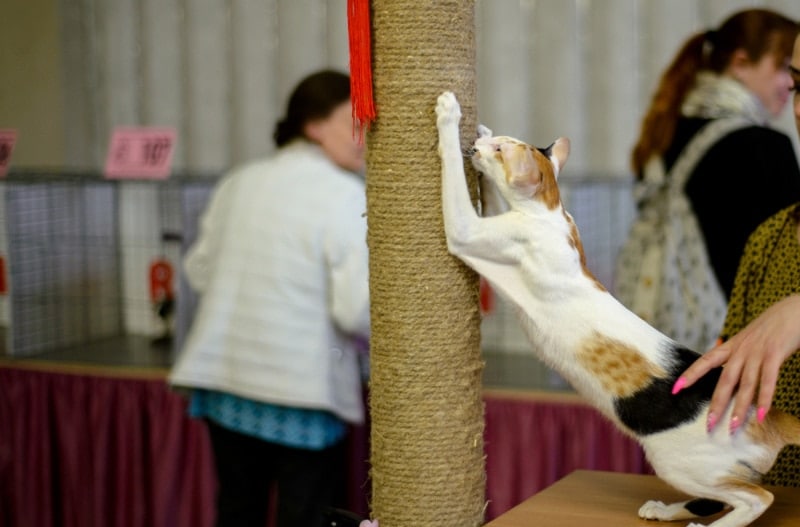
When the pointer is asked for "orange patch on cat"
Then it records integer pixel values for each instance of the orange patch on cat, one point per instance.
(748, 484)
(620, 368)
(547, 191)
(574, 240)
(778, 428)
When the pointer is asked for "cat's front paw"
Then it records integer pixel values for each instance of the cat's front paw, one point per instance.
(448, 111)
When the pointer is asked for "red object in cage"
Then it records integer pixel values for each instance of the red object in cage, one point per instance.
(3, 282)
(161, 274)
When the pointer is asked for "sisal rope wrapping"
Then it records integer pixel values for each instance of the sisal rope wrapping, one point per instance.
(427, 457)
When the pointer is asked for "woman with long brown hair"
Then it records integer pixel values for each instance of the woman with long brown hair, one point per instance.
(736, 72)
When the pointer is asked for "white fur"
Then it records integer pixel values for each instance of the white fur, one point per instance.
(540, 287)
(526, 247)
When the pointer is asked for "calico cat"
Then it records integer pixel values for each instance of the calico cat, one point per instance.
(532, 254)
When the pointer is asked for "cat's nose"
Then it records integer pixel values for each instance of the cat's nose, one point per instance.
(469, 152)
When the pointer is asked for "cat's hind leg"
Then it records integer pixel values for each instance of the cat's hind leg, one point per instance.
(748, 501)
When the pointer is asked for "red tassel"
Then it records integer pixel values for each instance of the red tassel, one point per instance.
(358, 30)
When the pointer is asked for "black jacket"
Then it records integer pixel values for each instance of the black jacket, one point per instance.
(746, 177)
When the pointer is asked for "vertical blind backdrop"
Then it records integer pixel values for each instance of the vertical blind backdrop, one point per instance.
(219, 72)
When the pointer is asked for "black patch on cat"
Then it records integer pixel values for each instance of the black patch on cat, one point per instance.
(704, 507)
(654, 408)
(547, 151)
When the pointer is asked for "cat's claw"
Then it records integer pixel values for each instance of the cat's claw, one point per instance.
(447, 109)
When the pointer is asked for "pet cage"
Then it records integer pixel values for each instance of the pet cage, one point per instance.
(78, 253)
(79, 248)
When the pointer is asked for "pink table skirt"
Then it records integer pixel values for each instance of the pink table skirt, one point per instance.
(94, 450)
(533, 440)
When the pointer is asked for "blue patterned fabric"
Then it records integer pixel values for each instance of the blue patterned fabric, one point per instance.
(293, 427)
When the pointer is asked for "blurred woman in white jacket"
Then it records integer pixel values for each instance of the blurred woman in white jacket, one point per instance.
(281, 265)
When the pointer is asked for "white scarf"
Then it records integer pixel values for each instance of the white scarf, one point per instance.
(715, 96)
(712, 97)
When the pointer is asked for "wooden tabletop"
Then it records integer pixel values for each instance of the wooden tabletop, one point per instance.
(612, 499)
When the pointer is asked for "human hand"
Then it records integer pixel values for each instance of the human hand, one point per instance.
(752, 360)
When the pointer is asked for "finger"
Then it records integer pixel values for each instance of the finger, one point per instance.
(765, 395)
(766, 390)
(748, 383)
(704, 364)
(723, 392)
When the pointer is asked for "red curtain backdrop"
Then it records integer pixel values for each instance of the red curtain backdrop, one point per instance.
(93, 451)
(533, 441)
(99, 450)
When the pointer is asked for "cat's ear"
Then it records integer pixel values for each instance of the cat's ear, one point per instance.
(559, 152)
(522, 168)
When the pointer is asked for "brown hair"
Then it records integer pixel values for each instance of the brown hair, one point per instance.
(756, 31)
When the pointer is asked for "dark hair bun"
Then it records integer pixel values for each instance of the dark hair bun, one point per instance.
(315, 97)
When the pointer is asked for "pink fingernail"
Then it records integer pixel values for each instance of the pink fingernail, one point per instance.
(762, 413)
(711, 422)
(734, 425)
(678, 386)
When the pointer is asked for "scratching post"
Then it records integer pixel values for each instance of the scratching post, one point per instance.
(427, 458)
